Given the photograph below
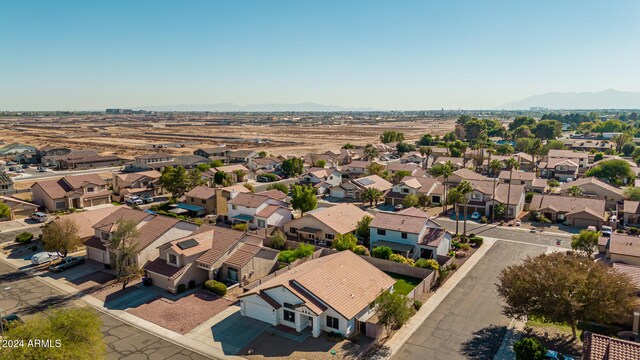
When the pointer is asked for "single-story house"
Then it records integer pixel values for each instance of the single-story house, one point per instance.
(18, 208)
(353, 189)
(322, 225)
(574, 211)
(594, 188)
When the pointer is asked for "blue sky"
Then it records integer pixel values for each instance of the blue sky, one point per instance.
(78, 55)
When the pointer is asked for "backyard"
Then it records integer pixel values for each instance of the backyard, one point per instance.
(404, 284)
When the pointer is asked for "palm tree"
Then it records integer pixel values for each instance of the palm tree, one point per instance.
(371, 152)
(454, 197)
(239, 174)
(371, 195)
(426, 152)
(495, 165)
(511, 163)
(575, 191)
(463, 189)
(445, 170)
(536, 149)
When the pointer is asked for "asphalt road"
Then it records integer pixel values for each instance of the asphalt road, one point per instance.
(468, 323)
(23, 295)
(32, 174)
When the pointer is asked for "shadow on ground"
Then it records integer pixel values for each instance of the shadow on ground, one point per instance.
(485, 343)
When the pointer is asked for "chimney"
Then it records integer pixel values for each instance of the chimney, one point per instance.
(233, 194)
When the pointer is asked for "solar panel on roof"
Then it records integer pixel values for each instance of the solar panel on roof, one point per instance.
(365, 181)
(187, 244)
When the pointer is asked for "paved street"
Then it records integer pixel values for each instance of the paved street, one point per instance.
(32, 174)
(469, 323)
(25, 296)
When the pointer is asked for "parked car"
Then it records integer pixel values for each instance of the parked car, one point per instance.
(133, 200)
(7, 321)
(12, 163)
(25, 166)
(44, 257)
(42, 169)
(19, 170)
(12, 168)
(475, 216)
(39, 217)
(554, 355)
(147, 198)
(591, 228)
(384, 158)
(66, 263)
(398, 207)
(606, 230)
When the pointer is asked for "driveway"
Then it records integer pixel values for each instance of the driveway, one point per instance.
(468, 323)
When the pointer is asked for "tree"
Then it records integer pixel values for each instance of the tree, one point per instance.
(632, 193)
(565, 288)
(279, 186)
(174, 180)
(399, 175)
(5, 211)
(586, 241)
(548, 129)
(474, 128)
(627, 149)
(522, 121)
(615, 171)
(449, 137)
(391, 136)
(522, 132)
(74, 331)
(552, 145)
(575, 191)
(553, 183)
(61, 236)
(495, 165)
(445, 170)
(510, 163)
(203, 167)
(241, 226)
(222, 178)
(262, 154)
(303, 198)
(500, 211)
(194, 178)
(504, 149)
(277, 240)
(529, 348)
(216, 163)
(426, 140)
(393, 310)
(250, 187)
(377, 169)
(465, 188)
(239, 174)
(411, 200)
(344, 242)
(371, 152)
(404, 147)
(124, 243)
(362, 229)
(371, 195)
(621, 139)
(348, 146)
(292, 167)
(454, 197)
(382, 252)
(320, 163)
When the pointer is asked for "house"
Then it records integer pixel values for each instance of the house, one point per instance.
(333, 293)
(631, 213)
(240, 156)
(601, 347)
(353, 189)
(330, 158)
(153, 231)
(190, 161)
(356, 169)
(574, 211)
(17, 149)
(266, 164)
(77, 191)
(139, 183)
(6, 183)
(421, 186)
(482, 199)
(463, 174)
(623, 248)
(322, 225)
(259, 210)
(232, 171)
(204, 200)
(81, 159)
(516, 177)
(210, 253)
(594, 188)
(580, 158)
(213, 153)
(410, 169)
(85, 220)
(18, 208)
(587, 145)
(49, 150)
(316, 175)
(156, 162)
(539, 185)
(414, 157)
(410, 233)
(457, 162)
(559, 168)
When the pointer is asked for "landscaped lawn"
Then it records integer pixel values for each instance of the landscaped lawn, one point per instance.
(404, 284)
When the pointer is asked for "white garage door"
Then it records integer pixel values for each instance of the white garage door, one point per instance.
(258, 311)
(95, 254)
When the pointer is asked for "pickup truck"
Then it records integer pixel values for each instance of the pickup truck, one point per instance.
(66, 263)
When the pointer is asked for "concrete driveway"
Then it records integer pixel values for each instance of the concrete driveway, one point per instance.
(468, 323)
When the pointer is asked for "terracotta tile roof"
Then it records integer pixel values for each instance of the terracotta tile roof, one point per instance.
(242, 256)
(517, 175)
(372, 182)
(108, 222)
(133, 177)
(268, 210)
(468, 174)
(223, 240)
(274, 194)
(600, 347)
(567, 204)
(398, 222)
(567, 154)
(160, 266)
(85, 220)
(201, 192)
(153, 229)
(621, 244)
(592, 181)
(343, 281)
(249, 200)
(342, 218)
(632, 271)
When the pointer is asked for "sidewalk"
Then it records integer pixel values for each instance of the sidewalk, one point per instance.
(514, 332)
(402, 335)
(201, 346)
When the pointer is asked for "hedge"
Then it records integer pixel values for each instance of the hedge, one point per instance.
(215, 287)
(24, 237)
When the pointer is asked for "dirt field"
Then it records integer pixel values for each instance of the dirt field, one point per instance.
(181, 134)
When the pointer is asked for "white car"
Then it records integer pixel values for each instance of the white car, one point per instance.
(134, 200)
(606, 230)
(44, 257)
(475, 215)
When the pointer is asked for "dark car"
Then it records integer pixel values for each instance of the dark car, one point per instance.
(66, 263)
(9, 321)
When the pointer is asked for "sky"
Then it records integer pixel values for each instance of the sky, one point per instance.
(390, 55)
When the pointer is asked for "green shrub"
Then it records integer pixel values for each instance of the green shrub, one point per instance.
(455, 244)
(302, 251)
(361, 250)
(464, 247)
(277, 240)
(477, 241)
(270, 176)
(192, 284)
(24, 237)
(484, 220)
(400, 259)
(529, 348)
(633, 230)
(181, 288)
(453, 266)
(382, 252)
(240, 226)
(428, 264)
(417, 304)
(215, 287)
(528, 196)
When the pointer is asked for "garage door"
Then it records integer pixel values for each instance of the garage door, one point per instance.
(95, 254)
(258, 311)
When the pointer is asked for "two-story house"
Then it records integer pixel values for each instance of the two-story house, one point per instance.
(415, 157)
(153, 231)
(204, 200)
(516, 177)
(353, 189)
(482, 198)
(421, 186)
(463, 174)
(156, 162)
(410, 233)
(259, 210)
(322, 179)
(6, 184)
(77, 191)
(266, 164)
(211, 252)
(139, 183)
(322, 225)
(559, 168)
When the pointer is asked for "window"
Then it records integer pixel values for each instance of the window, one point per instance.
(173, 259)
(193, 200)
(405, 190)
(329, 236)
(475, 196)
(382, 232)
(404, 235)
(261, 223)
(332, 322)
(234, 207)
(289, 316)
(232, 274)
(203, 201)
(293, 230)
(91, 189)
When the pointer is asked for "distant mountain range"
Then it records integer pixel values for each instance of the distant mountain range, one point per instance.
(607, 99)
(231, 107)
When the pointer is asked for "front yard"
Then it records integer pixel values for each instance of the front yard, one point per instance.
(404, 284)
(554, 336)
